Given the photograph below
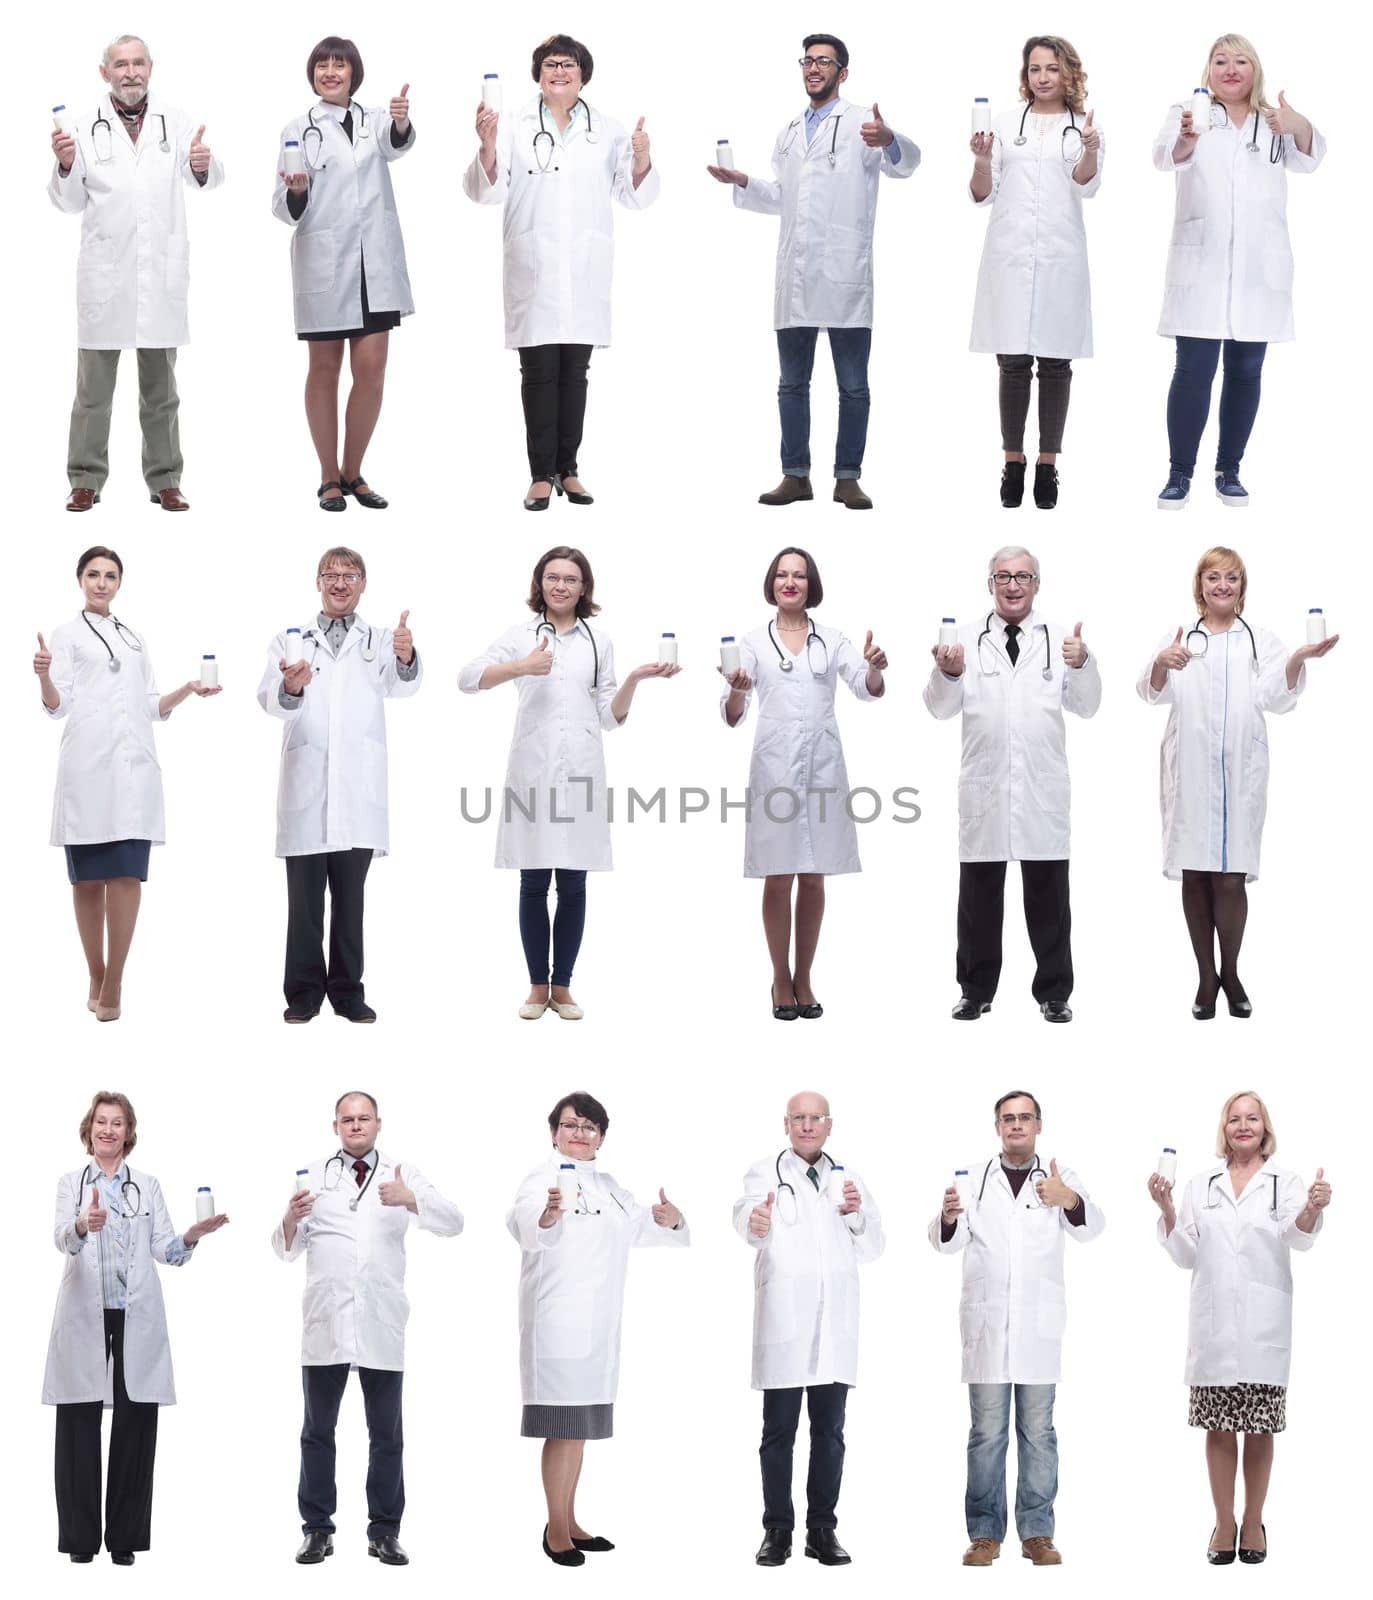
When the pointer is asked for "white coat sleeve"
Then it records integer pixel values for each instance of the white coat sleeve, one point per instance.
(906, 162)
(165, 1243)
(64, 1235)
(523, 1219)
(397, 688)
(1083, 1232)
(764, 194)
(961, 1234)
(759, 1181)
(1082, 687)
(1294, 161)
(1181, 1243)
(475, 183)
(300, 1240)
(436, 1214)
(1166, 138)
(268, 691)
(996, 176)
(865, 1227)
(1088, 189)
(1274, 695)
(748, 661)
(384, 122)
(852, 668)
(504, 649)
(943, 696)
(622, 184)
(1291, 1203)
(153, 699)
(214, 176)
(279, 207)
(646, 1230)
(62, 671)
(69, 193)
(1145, 689)
(605, 683)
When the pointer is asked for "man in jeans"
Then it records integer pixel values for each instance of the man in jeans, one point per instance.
(1011, 1223)
(826, 163)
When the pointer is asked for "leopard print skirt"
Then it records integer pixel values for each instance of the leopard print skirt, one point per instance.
(1238, 1408)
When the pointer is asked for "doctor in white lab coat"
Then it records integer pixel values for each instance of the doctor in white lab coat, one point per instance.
(554, 809)
(1034, 290)
(798, 825)
(1228, 284)
(575, 1227)
(556, 164)
(811, 1223)
(347, 257)
(349, 1217)
(1234, 1231)
(124, 166)
(1011, 1318)
(827, 163)
(1012, 674)
(331, 799)
(97, 679)
(1217, 680)
(108, 1348)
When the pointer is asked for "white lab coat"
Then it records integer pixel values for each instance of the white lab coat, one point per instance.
(1213, 767)
(558, 227)
(1013, 787)
(77, 1371)
(1013, 1309)
(109, 785)
(332, 790)
(351, 218)
(1229, 272)
(1239, 1325)
(134, 270)
(572, 1283)
(828, 209)
(796, 751)
(556, 768)
(805, 1272)
(354, 1307)
(1034, 290)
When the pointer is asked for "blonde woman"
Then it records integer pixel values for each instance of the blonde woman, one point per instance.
(1235, 1230)
(1229, 279)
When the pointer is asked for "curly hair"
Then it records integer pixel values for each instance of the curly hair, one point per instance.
(1074, 78)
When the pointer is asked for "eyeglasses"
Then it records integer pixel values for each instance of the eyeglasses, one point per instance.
(352, 579)
(817, 61)
(560, 66)
(1009, 1119)
(553, 582)
(1024, 579)
(801, 1120)
(578, 1127)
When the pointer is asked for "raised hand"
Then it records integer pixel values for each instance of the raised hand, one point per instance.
(1312, 652)
(1161, 1193)
(302, 1203)
(952, 1208)
(874, 655)
(554, 1209)
(96, 1214)
(639, 143)
(728, 175)
(396, 1192)
(738, 680)
(487, 123)
(402, 640)
(400, 109)
(760, 1218)
(852, 1201)
(876, 134)
(64, 149)
(981, 145)
(295, 678)
(1318, 1195)
(539, 662)
(1074, 651)
(200, 152)
(1052, 1190)
(197, 1231)
(665, 1214)
(42, 658)
(1091, 137)
(949, 658)
(1283, 118)
(1188, 135)
(1174, 657)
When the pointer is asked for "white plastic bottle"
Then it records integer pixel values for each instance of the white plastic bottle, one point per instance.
(1315, 626)
(982, 114)
(1201, 110)
(567, 1185)
(838, 1178)
(964, 1184)
(209, 672)
(1168, 1164)
(730, 660)
(295, 651)
(302, 1180)
(948, 631)
(724, 155)
(491, 91)
(62, 121)
(204, 1205)
(667, 649)
(292, 159)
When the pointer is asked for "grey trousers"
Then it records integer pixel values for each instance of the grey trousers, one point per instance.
(88, 442)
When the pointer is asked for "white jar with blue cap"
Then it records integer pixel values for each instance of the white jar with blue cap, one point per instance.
(730, 659)
(292, 159)
(204, 1204)
(1315, 626)
(295, 650)
(63, 121)
(302, 1180)
(982, 114)
(209, 672)
(724, 154)
(567, 1184)
(1201, 110)
(948, 632)
(1168, 1164)
(964, 1184)
(491, 91)
(667, 649)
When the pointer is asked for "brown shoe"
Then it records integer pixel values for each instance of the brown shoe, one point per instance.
(83, 499)
(849, 492)
(981, 1552)
(788, 490)
(170, 499)
(1041, 1551)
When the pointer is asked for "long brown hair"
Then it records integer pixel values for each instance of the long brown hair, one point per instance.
(586, 606)
(1074, 78)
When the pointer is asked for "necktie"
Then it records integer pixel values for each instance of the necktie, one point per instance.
(1013, 641)
(814, 1176)
(360, 1167)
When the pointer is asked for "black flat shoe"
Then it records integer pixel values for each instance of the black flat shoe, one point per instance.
(292, 1014)
(124, 1558)
(822, 1545)
(1056, 1011)
(783, 1013)
(336, 502)
(357, 1012)
(1222, 1558)
(810, 1011)
(388, 1551)
(775, 1548)
(970, 1010)
(1046, 485)
(1012, 484)
(562, 1558)
(317, 1545)
(1252, 1558)
(573, 499)
(80, 1558)
(364, 496)
(595, 1545)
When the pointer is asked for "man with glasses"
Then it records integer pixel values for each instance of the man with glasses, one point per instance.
(1011, 1225)
(125, 166)
(1013, 674)
(810, 1222)
(331, 799)
(826, 165)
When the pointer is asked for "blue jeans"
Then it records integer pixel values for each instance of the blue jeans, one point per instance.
(849, 349)
(568, 922)
(1036, 1448)
(1189, 400)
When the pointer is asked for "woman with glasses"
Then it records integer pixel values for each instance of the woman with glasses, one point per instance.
(1034, 169)
(1217, 680)
(556, 164)
(108, 1349)
(575, 1227)
(799, 827)
(554, 816)
(97, 677)
(1238, 1224)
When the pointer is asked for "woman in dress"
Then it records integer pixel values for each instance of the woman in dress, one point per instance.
(1217, 680)
(798, 827)
(109, 1335)
(553, 821)
(1237, 1226)
(575, 1227)
(107, 809)
(347, 257)
(556, 165)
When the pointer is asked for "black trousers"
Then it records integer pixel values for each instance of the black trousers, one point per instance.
(781, 1417)
(553, 388)
(318, 1494)
(76, 1473)
(308, 980)
(981, 901)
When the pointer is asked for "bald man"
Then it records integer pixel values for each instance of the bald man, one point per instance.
(810, 1222)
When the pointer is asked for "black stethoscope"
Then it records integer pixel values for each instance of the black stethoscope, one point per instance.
(1213, 1204)
(1277, 142)
(584, 1208)
(314, 163)
(129, 637)
(368, 651)
(1070, 150)
(130, 1208)
(1028, 1184)
(354, 1200)
(795, 128)
(102, 121)
(591, 640)
(543, 155)
(1046, 671)
(785, 662)
(1205, 638)
(782, 1183)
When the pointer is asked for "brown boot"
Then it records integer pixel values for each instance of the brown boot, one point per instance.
(981, 1553)
(849, 492)
(788, 490)
(1041, 1550)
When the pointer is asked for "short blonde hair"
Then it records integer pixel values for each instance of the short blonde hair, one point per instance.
(110, 1097)
(345, 557)
(1220, 555)
(1070, 63)
(1241, 46)
(1270, 1139)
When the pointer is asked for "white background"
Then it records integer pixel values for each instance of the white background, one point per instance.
(677, 1040)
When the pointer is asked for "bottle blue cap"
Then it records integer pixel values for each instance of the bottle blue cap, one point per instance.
(727, 638)
(947, 619)
(56, 109)
(203, 1189)
(980, 100)
(293, 144)
(207, 658)
(1316, 611)
(301, 1171)
(293, 630)
(722, 141)
(1201, 91)
(836, 1166)
(568, 1166)
(489, 76)
(961, 1172)
(1168, 1150)
(669, 636)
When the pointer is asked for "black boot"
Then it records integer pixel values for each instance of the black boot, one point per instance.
(1012, 484)
(1046, 485)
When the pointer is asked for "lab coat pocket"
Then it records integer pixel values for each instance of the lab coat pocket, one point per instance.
(1051, 1315)
(566, 1325)
(178, 270)
(973, 788)
(1185, 251)
(1049, 792)
(521, 273)
(1256, 787)
(848, 255)
(95, 284)
(1277, 270)
(302, 778)
(774, 1320)
(1268, 1313)
(313, 256)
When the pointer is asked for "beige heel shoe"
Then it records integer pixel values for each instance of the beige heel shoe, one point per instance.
(566, 1010)
(107, 1013)
(532, 1010)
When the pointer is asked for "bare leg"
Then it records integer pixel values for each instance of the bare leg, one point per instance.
(577, 1531)
(810, 913)
(1258, 1468)
(560, 1464)
(1046, 456)
(321, 406)
(367, 360)
(122, 897)
(777, 927)
(1222, 1457)
(88, 899)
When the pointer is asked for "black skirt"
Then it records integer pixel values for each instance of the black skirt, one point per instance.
(372, 321)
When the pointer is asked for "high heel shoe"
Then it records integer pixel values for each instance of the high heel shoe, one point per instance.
(575, 497)
(573, 1557)
(1252, 1558)
(539, 502)
(783, 1013)
(1238, 1008)
(1217, 1558)
(1204, 1010)
(107, 1013)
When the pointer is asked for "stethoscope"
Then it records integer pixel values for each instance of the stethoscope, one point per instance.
(129, 637)
(354, 1200)
(1205, 638)
(591, 640)
(1277, 142)
(543, 155)
(584, 1208)
(1037, 1204)
(1070, 150)
(102, 122)
(313, 162)
(1046, 672)
(786, 664)
(795, 128)
(777, 1168)
(130, 1208)
(368, 650)
(1213, 1203)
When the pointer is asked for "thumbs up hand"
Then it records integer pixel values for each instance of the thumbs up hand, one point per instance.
(42, 658)
(874, 655)
(1052, 1190)
(1091, 137)
(200, 153)
(639, 144)
(1074, 651)
(1318, 1195)
(96, 1215)
(760, 1218)
(665, 1214)
(876, 134)
(396, 1192)
(400, 110)
(402, 640)
(1284, 118)
(1174, 657)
